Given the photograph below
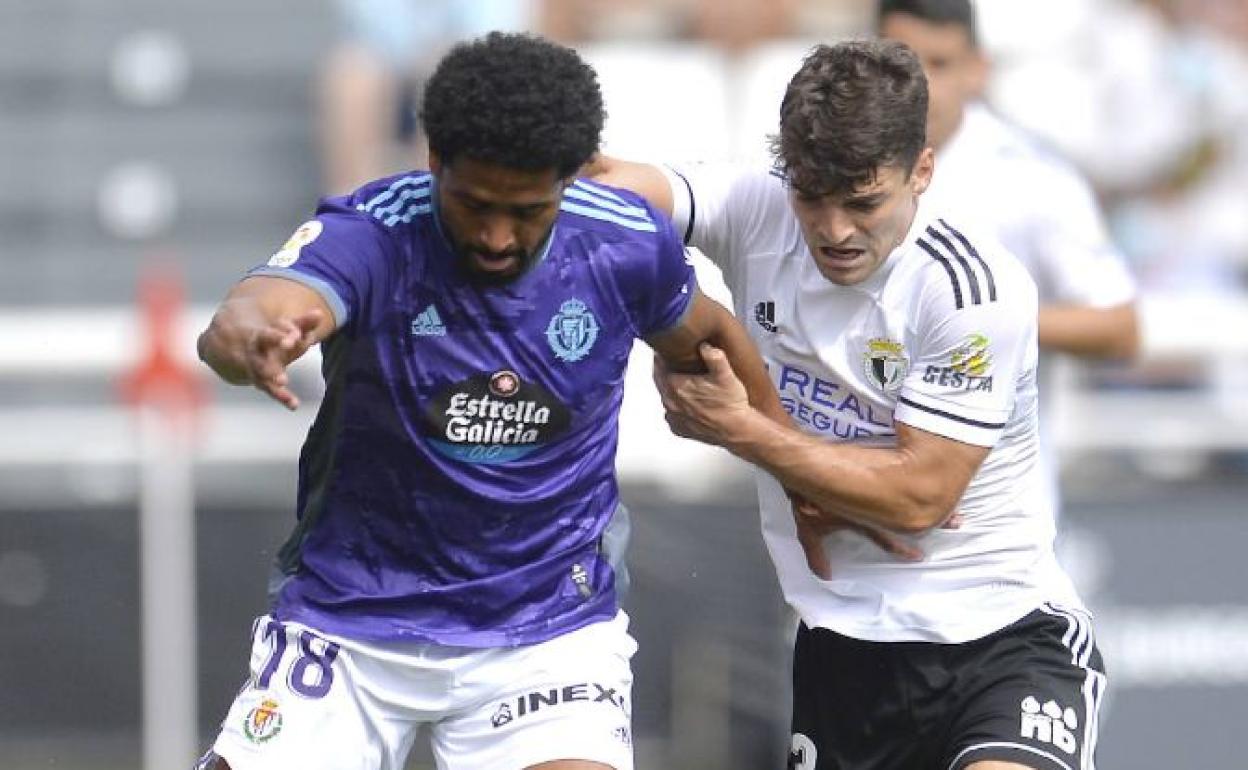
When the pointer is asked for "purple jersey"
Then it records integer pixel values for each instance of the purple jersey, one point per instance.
(459, 476)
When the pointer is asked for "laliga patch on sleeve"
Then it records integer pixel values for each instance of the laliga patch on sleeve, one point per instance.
(287, 255)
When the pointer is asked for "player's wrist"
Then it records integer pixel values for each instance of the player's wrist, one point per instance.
(745, 430)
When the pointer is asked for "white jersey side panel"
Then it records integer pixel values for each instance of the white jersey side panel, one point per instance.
(848, 361)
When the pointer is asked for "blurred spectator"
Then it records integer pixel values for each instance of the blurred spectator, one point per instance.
(370, 84)
(995, 177)
(1184, 220)
(580, 21)
(738, 25)
(1151, 104)
(733, 25)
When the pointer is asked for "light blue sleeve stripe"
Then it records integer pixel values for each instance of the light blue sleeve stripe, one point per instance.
(407, 180)
(407, 216)
(606, 216)
(619, 208)
(416, 193)
(597, 189)
(318, 285)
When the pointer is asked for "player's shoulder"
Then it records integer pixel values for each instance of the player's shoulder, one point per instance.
(956, 265)
(390, 201)
(612, 212)
(740, 187)
(756, 200)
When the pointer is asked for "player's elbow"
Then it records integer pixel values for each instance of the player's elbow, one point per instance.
(923, 507)
(918, 520)
(1121, 340)
(1126, 344)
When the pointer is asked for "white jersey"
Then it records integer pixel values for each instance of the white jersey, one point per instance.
(942, 337)
(996, 180)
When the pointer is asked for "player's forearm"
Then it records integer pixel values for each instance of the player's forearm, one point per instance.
(748, 365)
(1111, 333)
(875, 486)
(223, 345)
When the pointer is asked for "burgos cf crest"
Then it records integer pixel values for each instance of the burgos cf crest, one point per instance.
(572, 331)
(885, 364)
(263, 722)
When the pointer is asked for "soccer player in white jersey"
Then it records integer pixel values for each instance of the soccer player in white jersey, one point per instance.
(993, 176)
(904, 348)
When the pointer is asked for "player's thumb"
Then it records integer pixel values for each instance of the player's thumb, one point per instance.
(308, 320)
(714, 358)
(812, 546)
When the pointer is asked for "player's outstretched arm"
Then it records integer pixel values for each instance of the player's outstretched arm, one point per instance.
(262, 325)
(912, 487)
(645, 179)
(1091, 332)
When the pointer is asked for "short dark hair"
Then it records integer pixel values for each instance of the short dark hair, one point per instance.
(851, 109)
(959, 12)
(515, 100)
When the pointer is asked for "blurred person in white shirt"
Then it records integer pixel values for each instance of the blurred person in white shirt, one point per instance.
(1004, 182)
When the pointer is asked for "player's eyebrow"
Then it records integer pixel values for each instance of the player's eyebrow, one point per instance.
(863, 199)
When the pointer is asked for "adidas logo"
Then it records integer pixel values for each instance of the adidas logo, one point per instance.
(765, 315)
(1050, 724)
(428, 323)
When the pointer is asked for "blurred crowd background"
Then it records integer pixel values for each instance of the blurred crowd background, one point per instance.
(186, 140)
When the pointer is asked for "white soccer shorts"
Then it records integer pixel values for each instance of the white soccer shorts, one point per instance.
(319, 702)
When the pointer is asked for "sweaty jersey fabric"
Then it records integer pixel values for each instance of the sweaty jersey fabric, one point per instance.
(942, 337)
(459, 476)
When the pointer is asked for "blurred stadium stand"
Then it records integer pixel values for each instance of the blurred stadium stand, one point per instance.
(236, 142)
(226, 168)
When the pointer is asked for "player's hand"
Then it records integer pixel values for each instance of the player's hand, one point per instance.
(810, 535)
(814, 524)
(703, 407)
(273, 347)
(596, 166)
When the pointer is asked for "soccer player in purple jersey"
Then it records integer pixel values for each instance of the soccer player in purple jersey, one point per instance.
(452, 565)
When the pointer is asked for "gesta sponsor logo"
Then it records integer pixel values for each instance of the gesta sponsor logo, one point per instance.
(970, 367)
(493, 418)
(950, 377)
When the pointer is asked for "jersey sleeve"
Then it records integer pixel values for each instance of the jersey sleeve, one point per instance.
(339, 253)
(972, 352)
(1078, 260)
(721, 208)
(658, 283)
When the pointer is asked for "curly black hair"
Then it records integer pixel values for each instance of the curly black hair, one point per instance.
(850, 110)
(514, 100)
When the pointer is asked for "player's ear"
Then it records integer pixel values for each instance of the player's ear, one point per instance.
(435, 163)
(977, 75)
(921, 176)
